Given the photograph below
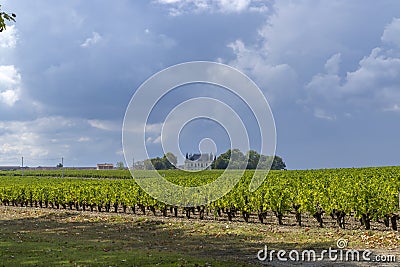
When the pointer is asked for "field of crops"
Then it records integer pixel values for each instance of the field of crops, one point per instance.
(368, 194)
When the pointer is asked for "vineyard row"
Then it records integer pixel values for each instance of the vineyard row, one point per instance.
(368, 194)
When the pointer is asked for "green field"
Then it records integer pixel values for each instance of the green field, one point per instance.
(79, 219)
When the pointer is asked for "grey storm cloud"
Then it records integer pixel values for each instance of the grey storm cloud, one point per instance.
(328, 68)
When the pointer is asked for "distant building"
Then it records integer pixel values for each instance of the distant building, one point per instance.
(197, 162)
(9, 168)
(80, 168)
(139, 165)
(105, 166)
(45, 168)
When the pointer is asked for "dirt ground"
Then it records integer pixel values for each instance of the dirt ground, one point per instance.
(214, 242)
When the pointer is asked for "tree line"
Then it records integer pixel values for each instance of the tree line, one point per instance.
(250, 161)
(255, 160)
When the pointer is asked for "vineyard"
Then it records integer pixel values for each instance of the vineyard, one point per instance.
(367, 194)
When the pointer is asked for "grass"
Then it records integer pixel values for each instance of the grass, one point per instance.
(46, 237)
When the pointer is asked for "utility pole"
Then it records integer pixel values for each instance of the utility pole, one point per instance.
(22, 166)
(62, 167)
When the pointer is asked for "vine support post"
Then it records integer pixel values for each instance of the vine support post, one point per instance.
(62, 167)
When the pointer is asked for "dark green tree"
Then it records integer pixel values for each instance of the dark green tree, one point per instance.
(237, 158)
(278, 164)
(255, 160)
(272, 162)
(222, 161)
(170, 160)
(253, 157)
(158, 163)
(167, 162)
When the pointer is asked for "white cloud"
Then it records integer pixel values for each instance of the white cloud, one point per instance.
(169, 1)
(292, 45)
(179, 7)
(105, 125)
(299, 29)
(278, 81)
(84, 139)
(151, 38)
(154, 130)
(326, 85)
(8, 38)
(375, 73)
(332, 65)
(96, 37)
(9, 76)
(152, 140)
(259, 9)
(45, 140)
(395, 108)
(392, 32)
(234, 5)
(322, 114)
(31, 139)
(375, 84)
(300, 35)
(9, 97)
(154, 127)
(10, 82)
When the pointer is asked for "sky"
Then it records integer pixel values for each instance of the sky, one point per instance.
(330, 71)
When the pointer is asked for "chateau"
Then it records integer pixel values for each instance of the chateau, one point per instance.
(196, 162)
